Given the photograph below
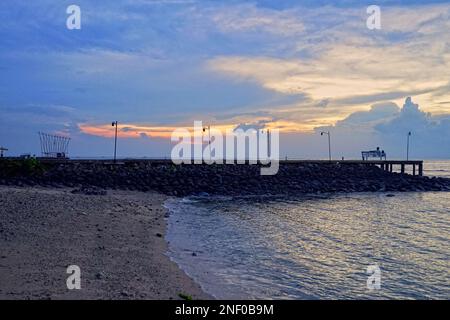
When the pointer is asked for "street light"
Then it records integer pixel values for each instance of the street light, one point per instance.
(329, 142)
(407, 146)
(114, 124)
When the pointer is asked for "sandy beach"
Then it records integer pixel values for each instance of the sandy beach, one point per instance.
(117, 240)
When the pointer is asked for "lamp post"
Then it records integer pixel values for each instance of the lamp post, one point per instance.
(329, 142)
(407, 145)
(114, 124)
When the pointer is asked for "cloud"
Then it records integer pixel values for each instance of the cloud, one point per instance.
(339, 64)
(250, 18)
(414, 19)
(409, 118)
(430, 135)
(387, 125)
(107, 62)
(133, 131)
(423, 125)
(51, 111)
(51, 118)
(127, 130)
(258, 125)
(336, 73)
(380, 112)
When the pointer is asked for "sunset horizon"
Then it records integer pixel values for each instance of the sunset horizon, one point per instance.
(156, 66)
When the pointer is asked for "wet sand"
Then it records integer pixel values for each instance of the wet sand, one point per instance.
(117, 240)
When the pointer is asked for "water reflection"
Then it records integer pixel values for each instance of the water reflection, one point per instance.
(315, 247)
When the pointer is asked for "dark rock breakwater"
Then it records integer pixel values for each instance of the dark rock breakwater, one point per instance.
(234, 180)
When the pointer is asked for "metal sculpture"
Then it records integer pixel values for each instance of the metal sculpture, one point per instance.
(54, 146)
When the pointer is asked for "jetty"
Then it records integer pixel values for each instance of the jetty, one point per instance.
(294, 177)
(416, 166)
(386, 165)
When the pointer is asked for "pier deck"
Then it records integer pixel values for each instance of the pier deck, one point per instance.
(387, 165)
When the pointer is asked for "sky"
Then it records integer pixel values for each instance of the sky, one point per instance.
(155, 66)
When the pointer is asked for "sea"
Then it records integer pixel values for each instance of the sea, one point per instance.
(344, 246)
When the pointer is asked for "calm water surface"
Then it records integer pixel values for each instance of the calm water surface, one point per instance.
(315, 247)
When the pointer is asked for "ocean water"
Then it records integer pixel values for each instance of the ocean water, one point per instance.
(315, 247)
(438, 168)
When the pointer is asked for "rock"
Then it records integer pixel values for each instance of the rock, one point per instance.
(100, 275)
(124, 294)
(93, 178)
(90, 191)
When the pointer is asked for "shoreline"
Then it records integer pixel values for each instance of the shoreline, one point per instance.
(234, 242)
(117, 240)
